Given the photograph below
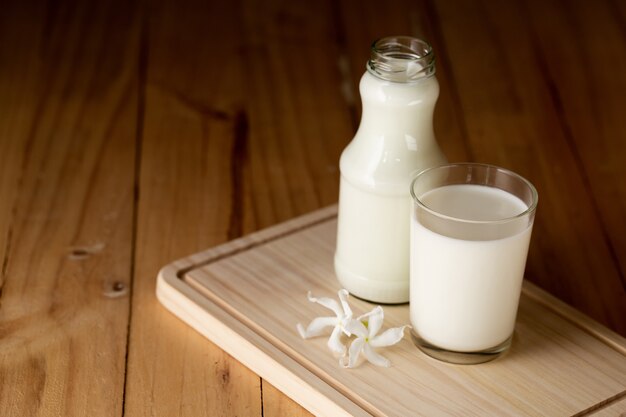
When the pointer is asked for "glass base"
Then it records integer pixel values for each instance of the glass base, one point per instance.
(461, 358)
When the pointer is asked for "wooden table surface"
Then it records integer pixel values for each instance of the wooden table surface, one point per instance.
(135, 133)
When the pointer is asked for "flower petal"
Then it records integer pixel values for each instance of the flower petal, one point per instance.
(344, 323)
(355, 350)
(389, 337)
(374, 319)
(355, 327)
(334, 341)
(326, 302)
(316, 327)
(374, 357)
(343, 297)
(301, 330)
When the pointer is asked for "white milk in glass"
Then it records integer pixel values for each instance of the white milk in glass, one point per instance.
(395, 141)
(465, 286)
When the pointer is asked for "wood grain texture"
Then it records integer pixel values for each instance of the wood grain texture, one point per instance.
(189, 108)
(516, 123)
(614, 409)
(261, 283)
(277, 404)
(236, 122)
(68, 125)
(581, 50)
(298, 119)
(180, 126)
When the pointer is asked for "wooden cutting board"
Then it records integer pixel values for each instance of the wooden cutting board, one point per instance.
(248, 295)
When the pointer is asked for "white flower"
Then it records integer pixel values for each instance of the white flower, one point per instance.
(367, 339)
(343, 316)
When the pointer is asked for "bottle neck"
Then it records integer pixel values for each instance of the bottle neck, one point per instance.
(398, 109)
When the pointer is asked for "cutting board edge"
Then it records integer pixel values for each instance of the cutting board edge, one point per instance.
(251, 349)
(581, 320)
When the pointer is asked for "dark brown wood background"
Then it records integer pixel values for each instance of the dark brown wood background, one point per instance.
(134, 133)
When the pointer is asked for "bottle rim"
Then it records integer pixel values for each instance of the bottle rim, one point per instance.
(402, 59)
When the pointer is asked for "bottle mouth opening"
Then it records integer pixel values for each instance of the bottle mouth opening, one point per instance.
(401, 59)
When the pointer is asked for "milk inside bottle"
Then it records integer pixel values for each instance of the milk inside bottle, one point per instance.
(394, 141)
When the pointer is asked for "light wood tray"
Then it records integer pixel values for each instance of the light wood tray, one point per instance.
(247, 296)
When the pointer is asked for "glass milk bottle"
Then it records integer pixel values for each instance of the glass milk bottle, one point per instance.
(395, 141)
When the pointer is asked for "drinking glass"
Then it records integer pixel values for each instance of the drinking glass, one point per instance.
(470, 231)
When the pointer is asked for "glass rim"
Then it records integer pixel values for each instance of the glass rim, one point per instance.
(531, 208)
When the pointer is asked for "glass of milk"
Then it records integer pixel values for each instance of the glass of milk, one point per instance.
(470, 230)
